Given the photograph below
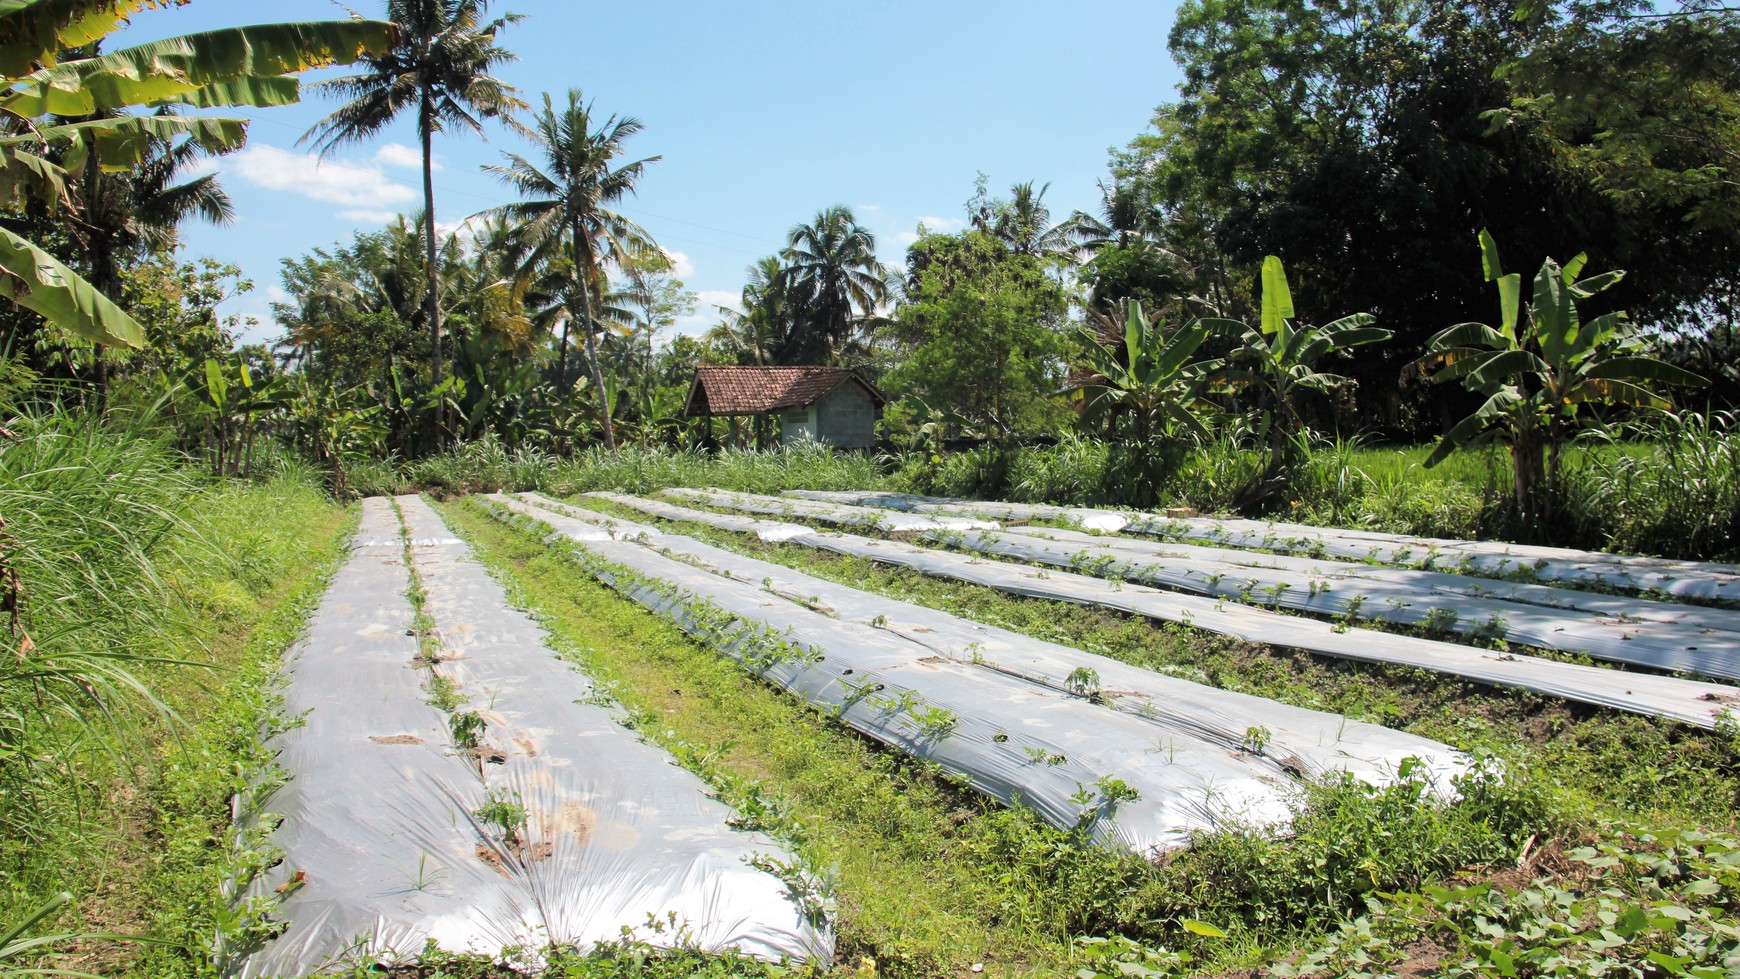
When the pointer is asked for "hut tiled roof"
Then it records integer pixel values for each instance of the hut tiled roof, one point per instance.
(760, 390)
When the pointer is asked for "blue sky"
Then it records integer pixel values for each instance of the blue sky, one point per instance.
(764, 113)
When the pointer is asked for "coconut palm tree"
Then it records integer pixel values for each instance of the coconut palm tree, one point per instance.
(760, 333)
(440, 68)
(832, 283)
(1023, 222)
(566, 213)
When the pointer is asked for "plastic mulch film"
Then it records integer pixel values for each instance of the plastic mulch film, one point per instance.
(1298, 740)
(599, 829)
(379, 849)
(1092, 519)
(887, 520)
(1690, 701)
(1687, 579)
(1020, 737)
(612, 526)
(1661, 635)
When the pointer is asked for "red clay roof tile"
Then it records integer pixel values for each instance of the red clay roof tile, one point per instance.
(759, 390)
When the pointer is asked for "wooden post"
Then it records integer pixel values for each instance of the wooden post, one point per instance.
(736, 434)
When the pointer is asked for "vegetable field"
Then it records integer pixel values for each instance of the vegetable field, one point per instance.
(865, 733)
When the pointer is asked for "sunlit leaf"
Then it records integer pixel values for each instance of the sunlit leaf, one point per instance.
(36, 280)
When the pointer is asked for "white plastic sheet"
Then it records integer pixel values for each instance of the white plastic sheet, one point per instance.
(891, 521)
(1003, 723)
(1298, 740)
(1659, 635)
(1693, 702)
(614, 829)
(1688, 579)
(379, 846)
(384, 848)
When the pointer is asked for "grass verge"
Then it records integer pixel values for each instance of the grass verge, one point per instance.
(141, 833)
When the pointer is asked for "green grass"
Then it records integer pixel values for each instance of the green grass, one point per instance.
(487, 466)
(137, 826)
(1674, 490)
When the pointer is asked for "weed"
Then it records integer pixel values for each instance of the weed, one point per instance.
(467, 729)
(1083, 681)
(504, 812)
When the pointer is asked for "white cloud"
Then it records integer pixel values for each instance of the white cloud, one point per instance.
(277, 294)
(933, 223)
(681, 266)
(400, 155)
(906, 237)
(708, 298)
(302, 173)
(369, 217)
(705, 315)
(873, 210)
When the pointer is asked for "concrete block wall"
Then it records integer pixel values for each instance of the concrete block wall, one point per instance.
(846, 417)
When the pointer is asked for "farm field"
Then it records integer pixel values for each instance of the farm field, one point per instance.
(1058, 766)
(1355, 811)
(489, 494)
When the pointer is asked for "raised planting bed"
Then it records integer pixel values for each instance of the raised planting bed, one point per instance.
(1687, 579)
(1659, 635)
(1694, 702)
(513, 811)
(1132, 757)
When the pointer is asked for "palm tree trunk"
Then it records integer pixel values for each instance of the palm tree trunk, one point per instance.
(583, 284)
(592, 364)
(562, 357)
(432, 281)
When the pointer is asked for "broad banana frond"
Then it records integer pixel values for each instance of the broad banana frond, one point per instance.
(33, 33)
(211, 68)
(36, 280)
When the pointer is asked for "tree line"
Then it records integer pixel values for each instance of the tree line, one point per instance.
(1364, 144)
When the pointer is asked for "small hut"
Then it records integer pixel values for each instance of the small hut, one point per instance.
(832, 405)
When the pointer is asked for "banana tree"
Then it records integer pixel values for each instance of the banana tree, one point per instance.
(1154, 384)
(1277, 361)
(1540, 367)
(234, 398)
(65, 115)
(334, 425)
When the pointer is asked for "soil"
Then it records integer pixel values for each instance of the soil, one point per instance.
(395, 739)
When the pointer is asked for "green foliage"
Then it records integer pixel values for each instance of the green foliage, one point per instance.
(566, 217)
(1644, 902)
(1541, 367)
(1277, 361)
(72, 113)
(981, 333)
(1150, 387)
(440, 61)
(1675, 492)
(234, 571)
(831, 286)
(1350, 137)
(1137, 273)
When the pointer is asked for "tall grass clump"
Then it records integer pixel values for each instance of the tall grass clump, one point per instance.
(486, 465)
(87, 502)
(1674, 492)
